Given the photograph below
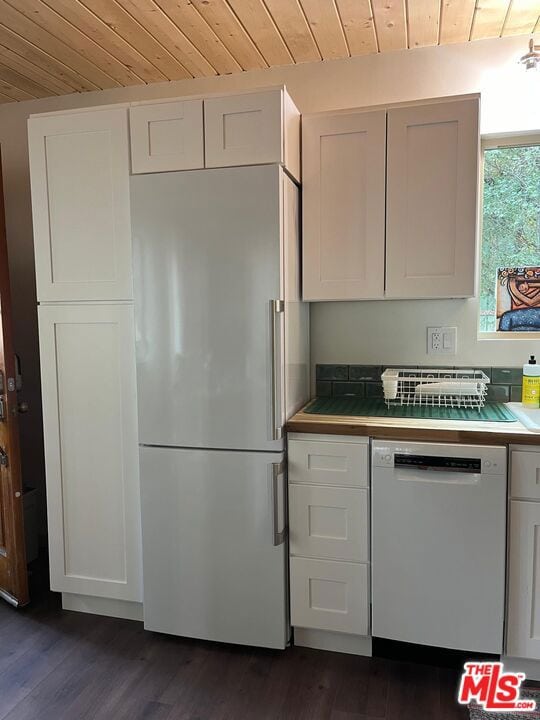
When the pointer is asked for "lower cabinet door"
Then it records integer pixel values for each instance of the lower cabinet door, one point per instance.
(329, 595)
(523, 622)
(91, 449)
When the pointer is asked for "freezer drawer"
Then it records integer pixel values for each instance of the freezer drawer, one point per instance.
(214, 547)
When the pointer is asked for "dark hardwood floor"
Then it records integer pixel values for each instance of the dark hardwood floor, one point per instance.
(57, 665)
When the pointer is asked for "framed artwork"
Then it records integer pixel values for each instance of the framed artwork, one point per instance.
(518, 299)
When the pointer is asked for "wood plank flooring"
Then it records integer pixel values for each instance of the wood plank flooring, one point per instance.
(57, 665)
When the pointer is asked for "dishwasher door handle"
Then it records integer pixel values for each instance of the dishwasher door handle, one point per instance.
(431, 477)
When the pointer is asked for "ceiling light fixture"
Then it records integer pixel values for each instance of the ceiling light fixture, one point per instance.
(532, 59)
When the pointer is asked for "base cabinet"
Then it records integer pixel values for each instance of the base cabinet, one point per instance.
(523, 638)
(91, 449)
(329, 541)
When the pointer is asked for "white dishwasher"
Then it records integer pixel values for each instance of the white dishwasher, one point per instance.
(439, 544)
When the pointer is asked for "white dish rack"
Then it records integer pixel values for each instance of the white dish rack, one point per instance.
(435, 387)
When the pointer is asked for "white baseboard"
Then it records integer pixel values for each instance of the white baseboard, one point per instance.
(102, 606)
(531, 668)
(333, 641)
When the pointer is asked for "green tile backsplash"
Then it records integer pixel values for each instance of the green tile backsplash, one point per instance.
(365, 380)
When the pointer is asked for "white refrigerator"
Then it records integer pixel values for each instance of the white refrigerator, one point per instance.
(222, 361)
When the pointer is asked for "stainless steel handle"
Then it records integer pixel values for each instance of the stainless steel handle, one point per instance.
(278, 469)
(276, 307)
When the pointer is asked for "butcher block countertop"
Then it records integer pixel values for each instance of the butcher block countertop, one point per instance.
(452, 431)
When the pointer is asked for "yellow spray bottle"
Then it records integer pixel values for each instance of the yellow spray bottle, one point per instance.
(530, 396)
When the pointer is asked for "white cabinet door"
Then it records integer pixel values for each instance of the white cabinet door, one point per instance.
(91, 449)
(244, 129)
(523, 622)
(167, 136)
(343, 205)
(79, 170)
(432, 187)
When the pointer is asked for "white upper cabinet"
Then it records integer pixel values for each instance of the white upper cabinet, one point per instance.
(79, 169)
(91, 449)
(252, 129)
(390, 202)
(167, 136)
(432, 186)
(343, 205)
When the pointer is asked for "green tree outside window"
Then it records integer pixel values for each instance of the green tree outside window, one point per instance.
(511, 219)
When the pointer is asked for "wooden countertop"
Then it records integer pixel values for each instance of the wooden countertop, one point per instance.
(452, 431)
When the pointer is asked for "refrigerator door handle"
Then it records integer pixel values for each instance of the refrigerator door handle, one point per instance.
(276, 307)
(278, 470)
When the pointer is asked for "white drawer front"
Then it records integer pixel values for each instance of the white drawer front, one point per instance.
(329, 522)
(328, 463)
(525, 475)
(329, 595)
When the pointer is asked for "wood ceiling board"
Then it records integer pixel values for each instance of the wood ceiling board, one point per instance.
(124, 25)
(30, 70)
(323, 19)
(185, 17)
(456, 21)
(159, 25)
(291, 21)
(44, 60)
(261, 28)
(90, 76)
(522, 17)
(423, 22)
(227, 27)
(357, 20)
(489, 18)
(5, 99)
(52, 22)
(390, 24)
(22, 82)
(13, 92)
(98, 31)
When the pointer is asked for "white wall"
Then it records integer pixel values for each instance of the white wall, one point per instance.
(341, 332)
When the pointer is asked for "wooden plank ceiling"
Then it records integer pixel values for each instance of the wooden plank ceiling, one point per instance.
(54, 47)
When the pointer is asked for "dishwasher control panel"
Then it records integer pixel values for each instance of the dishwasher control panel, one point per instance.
(443, 457)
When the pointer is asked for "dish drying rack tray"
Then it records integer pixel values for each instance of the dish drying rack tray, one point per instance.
(435, 387)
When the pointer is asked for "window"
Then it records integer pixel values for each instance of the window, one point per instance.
(510, 256)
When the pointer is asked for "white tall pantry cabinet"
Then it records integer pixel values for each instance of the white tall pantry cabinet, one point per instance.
(79, 166)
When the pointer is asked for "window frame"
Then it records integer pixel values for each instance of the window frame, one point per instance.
(488, 142)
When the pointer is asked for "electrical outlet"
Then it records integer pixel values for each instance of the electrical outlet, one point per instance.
(441, 340)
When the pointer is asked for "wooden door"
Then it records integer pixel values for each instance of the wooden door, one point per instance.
(167, 136)
(13, 572)
(523, 621)
(91, 449)
(79, 171)
(343, 188)
(431, 201)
